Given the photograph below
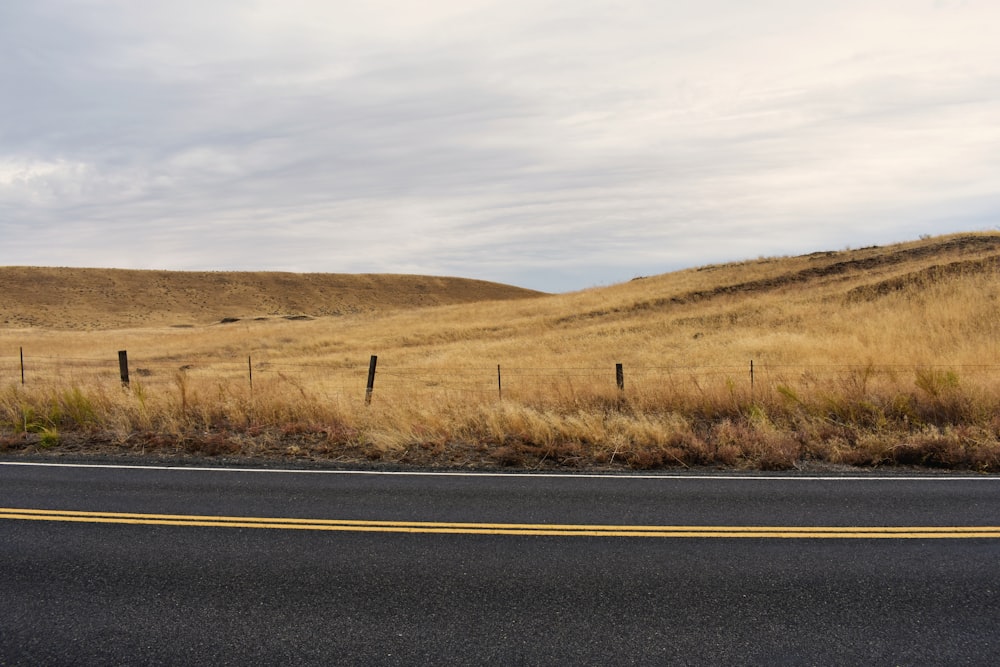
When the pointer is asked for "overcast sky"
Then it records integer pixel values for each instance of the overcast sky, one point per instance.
(554, 145)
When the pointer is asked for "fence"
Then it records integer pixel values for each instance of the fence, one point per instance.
(486, 382)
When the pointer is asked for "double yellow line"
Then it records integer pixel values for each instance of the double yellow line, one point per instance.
(563, 530)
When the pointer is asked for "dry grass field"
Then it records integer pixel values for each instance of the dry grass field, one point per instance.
(867, 357)
(75, 299)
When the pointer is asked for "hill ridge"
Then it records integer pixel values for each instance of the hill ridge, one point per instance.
(90, 298)
(93, 298)
(945, 253)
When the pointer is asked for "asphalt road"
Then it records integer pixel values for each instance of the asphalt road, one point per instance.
(173, 587)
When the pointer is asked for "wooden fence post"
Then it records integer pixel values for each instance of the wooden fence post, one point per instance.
(22, 366)
(620, 377)
(371, 379)
(123, 366)
(499, 384)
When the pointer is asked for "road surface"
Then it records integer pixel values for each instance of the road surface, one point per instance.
(115, 565)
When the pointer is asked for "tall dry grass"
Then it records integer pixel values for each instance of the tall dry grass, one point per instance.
(870, 357)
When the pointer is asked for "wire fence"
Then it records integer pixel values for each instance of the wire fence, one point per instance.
(479, 382)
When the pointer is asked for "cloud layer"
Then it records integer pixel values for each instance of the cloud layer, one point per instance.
(555, 145)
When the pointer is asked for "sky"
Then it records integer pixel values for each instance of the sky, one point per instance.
(556, 145)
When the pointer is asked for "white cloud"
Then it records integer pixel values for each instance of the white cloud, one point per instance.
(553, 144)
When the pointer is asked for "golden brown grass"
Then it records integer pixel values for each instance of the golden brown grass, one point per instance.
(76, 299)
(867, 357)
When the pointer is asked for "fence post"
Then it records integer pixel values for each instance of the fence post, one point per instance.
(620, 377)
(250, 371)
(123, 366)
(371, 379)
(499, 384)
(751, 378)
(22, 366)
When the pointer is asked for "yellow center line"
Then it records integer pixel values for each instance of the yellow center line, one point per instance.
(471, 528)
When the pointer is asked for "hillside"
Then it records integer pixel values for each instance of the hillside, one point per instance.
(67, 298)
(831, 281)
(930, 301)
(871, 356)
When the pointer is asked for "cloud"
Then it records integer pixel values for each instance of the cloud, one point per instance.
(556, 145)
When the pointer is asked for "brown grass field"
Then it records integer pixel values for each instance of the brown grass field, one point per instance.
(881, 356)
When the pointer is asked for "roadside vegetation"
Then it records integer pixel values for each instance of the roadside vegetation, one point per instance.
(868, 357)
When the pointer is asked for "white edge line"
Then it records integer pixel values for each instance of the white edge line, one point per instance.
(518, 475)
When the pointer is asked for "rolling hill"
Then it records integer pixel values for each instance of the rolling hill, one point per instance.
(870, 356)
(71, 298)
